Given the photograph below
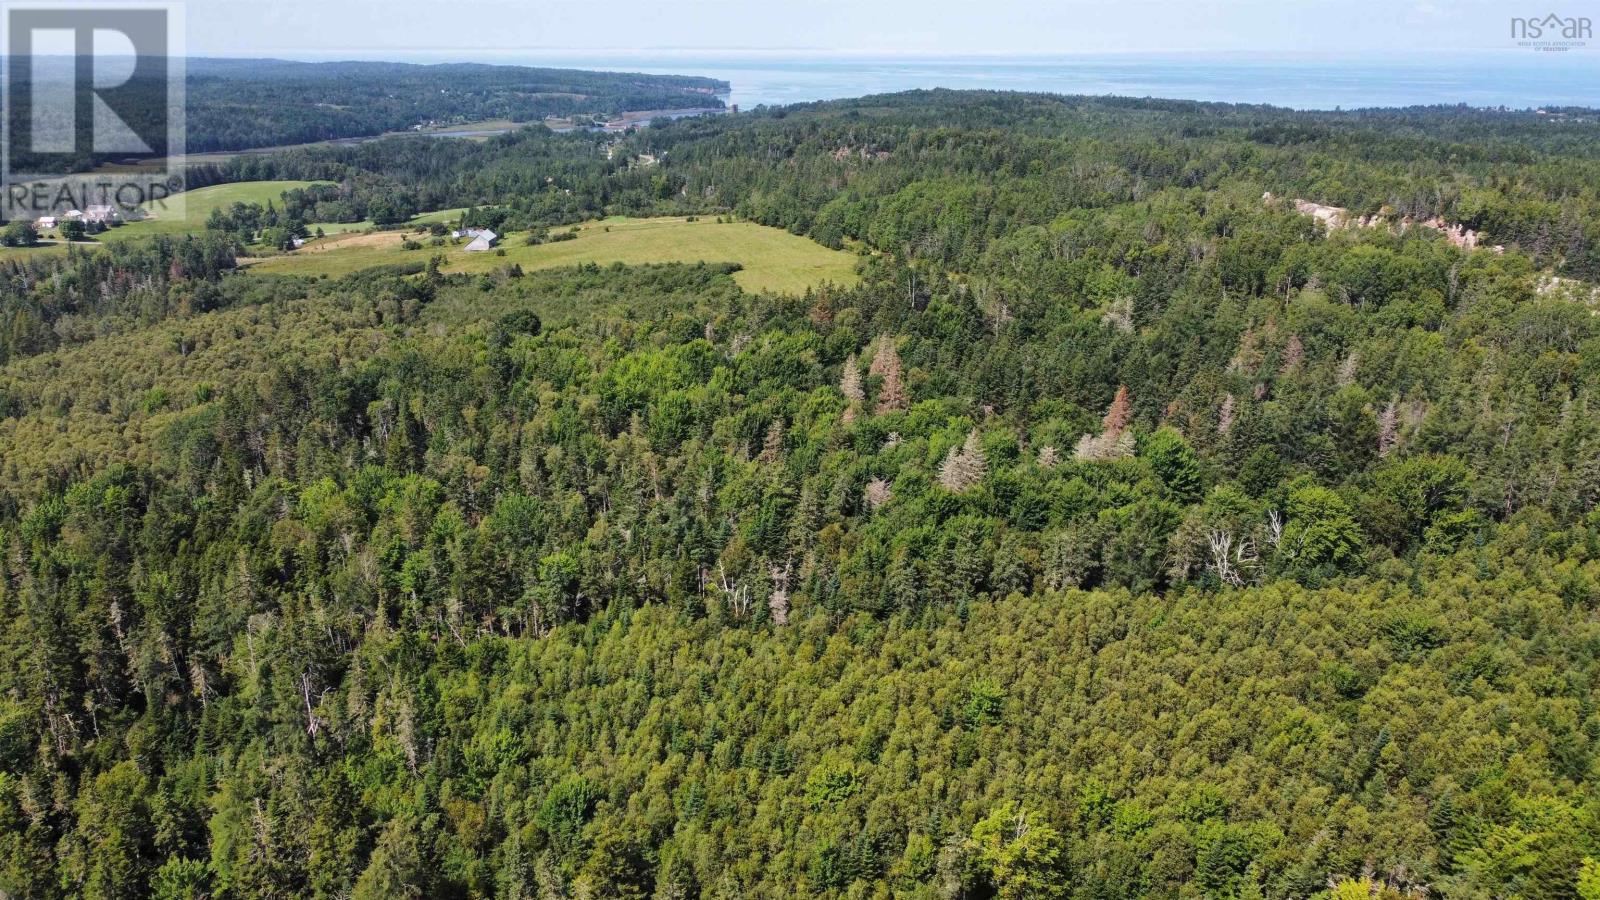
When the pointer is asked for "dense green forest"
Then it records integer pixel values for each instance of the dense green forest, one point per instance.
(240, 103)
(943, 176)
(1121, 534)
(237, 104)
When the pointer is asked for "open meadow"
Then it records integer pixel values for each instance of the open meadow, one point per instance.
(447, 216)
(772, 259)
(197, 207)
(188, 218)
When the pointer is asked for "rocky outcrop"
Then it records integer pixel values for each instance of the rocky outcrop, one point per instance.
(843, 153)
(1330, 216)
(1333, 217)
(1570, 288)
(1459, 235)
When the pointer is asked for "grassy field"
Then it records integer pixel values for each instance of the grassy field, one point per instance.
(197, 207)
(44, 248)
(447, 216)
(773, 259)
(198, 204)
(468, 131)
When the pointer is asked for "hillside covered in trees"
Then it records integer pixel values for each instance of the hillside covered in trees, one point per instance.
(240, 103)
(1122, 533)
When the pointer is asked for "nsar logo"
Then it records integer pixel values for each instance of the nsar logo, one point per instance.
(1552, 32)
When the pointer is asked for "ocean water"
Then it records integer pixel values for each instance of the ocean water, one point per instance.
(1519, 79)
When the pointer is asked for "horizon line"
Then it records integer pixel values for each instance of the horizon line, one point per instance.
(395, 54)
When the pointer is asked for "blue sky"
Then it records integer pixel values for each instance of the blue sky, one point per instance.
(467, 29)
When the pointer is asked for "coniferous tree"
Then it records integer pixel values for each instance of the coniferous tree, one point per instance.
(850, 387)
(886, 364)
(964, 466)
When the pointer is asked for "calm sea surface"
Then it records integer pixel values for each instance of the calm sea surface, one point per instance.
(1514, 78)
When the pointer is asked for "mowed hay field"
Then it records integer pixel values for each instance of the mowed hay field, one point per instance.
(773, 259)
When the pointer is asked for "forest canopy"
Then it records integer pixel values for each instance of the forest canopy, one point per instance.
(1122, 533)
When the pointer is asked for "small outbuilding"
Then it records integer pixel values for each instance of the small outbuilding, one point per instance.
(482, 240)
(104, 214)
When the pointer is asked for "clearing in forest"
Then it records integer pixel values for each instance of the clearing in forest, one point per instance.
(773, 259)
(197, 207)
